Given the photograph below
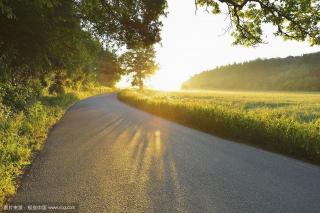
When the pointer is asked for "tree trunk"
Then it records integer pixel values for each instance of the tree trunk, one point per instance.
(140, 83)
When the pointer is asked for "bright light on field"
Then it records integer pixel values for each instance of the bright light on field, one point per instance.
(160, 81)
(166, 80)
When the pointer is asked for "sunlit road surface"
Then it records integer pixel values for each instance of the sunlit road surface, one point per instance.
(109, 157)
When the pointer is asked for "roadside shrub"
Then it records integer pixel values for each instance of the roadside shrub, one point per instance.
(18, 96)
(56, 88)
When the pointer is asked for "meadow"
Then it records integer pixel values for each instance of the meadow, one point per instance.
(284, 122)
(23, 133)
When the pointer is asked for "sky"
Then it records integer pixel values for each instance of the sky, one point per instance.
(192, 43)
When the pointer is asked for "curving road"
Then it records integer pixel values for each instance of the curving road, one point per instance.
(109, 157)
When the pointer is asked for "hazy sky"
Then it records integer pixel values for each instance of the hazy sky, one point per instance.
(192, 43)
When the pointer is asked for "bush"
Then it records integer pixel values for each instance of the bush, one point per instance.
(20, 97)
(56, 88)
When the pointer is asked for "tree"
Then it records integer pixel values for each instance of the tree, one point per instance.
(126, 22)
(57, 39)
(139, 63)
(39, 37)
(109, 69)
(293, 19)
(137, 22)
(44, 45)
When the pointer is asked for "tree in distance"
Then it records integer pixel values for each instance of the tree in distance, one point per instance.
(138, 63)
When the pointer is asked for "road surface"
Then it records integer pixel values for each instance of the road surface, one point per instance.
(109, 157)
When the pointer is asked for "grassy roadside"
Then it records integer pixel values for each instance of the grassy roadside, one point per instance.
(287, 123)
(23, 133)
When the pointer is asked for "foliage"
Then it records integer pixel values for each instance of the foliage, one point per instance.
(22, 133)
(133, 23)
(32, 40)
(45, 38)
(109, 69)
(5, 10)
(19, 97)
(139, 63)
(292, 73)
(284, 122)
(136, 23)
(293, 20)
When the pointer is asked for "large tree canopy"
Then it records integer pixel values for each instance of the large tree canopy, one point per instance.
(130, 22)
(41, 40)
(293, 19)
(137, 22)
(133, 21)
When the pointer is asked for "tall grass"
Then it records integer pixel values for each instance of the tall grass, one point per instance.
(283, 122)
(23, 133)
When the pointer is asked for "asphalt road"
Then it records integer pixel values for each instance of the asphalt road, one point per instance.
(109, 157)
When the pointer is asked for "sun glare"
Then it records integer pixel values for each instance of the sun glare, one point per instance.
(163, 81)
(160, 81)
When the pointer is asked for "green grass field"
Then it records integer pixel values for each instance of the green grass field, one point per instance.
(23, 133)
(288, 123)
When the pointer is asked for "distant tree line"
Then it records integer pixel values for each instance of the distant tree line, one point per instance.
(300, 73)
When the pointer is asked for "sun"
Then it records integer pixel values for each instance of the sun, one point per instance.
(163, 81)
